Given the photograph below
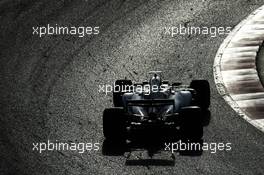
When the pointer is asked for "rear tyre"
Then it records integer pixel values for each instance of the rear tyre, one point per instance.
(114, 124)
(202, 95)
(118, 94)
(112, 148)
(114, 130)
(191, 127)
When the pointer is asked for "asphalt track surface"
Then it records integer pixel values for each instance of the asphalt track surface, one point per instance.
(49, 85)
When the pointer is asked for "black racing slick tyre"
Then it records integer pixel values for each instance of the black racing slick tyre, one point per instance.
(118, 94)
(191, 123)
(202, 93)
(114, 128)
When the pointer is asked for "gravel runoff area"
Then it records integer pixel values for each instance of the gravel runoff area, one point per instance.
(235, 69)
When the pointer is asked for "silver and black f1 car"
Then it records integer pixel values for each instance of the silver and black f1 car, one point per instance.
(156, 106)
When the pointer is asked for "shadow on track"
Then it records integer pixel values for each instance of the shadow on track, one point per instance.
(150, 162)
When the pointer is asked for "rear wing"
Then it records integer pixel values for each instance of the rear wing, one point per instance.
(150, 102)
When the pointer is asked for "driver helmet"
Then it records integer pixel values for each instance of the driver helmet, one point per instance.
(155, 81)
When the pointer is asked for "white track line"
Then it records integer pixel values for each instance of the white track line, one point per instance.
(235, 71)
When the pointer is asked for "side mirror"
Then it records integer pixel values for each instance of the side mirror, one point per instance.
(145, 82)
(176, 84)
(165, 82)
